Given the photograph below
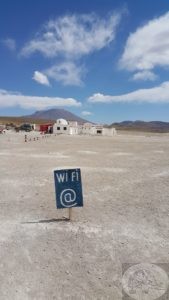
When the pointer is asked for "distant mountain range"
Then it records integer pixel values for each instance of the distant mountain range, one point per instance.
(152, 126)
(51, 115)
(54, 114)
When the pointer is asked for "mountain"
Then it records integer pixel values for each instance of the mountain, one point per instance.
(17, 121)
(152, 126)
(54, 114)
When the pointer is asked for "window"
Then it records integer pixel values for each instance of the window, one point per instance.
(58, 128)
(99, 131)
(64, 128)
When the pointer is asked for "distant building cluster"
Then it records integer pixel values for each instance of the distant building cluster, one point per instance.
(73, 128)
(62, 126)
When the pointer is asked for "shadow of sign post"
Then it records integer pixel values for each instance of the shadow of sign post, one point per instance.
(68, 189)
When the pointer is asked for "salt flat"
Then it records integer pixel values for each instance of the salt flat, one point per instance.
(124, 218)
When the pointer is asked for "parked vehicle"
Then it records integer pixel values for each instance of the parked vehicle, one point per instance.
(25, 127)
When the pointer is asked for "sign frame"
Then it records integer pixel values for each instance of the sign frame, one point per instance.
(68, 188)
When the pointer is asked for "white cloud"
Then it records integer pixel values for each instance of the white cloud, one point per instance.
(9, 43)
(158, 94)
(68, 73)
(70, 38)
(41, 78)
(73, 36)
(11, 99)
(148, 46)
(86, 113)
(145, 75)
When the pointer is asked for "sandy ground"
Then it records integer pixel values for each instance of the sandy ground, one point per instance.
(124, 218)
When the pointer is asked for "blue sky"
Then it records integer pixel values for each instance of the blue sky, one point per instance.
(104, 60)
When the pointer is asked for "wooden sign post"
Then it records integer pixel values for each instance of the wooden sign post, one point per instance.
(70, 213)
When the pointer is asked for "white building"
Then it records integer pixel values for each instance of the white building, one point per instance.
(109, 131)
(64, 127)
(73, 127)
(95, 129)
(61, 126)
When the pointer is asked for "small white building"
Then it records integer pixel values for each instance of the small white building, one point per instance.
(73, 128)
(61, 126)
(109, 131)
(95, 129)
(86, 128)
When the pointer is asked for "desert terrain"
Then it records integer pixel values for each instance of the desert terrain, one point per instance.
(124, 219)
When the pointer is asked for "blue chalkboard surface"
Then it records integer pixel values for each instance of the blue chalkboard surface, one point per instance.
(68, 188)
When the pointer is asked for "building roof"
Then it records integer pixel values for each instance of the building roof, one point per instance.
(61, 121)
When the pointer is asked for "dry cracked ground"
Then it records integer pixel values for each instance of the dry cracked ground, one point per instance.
(124, 219)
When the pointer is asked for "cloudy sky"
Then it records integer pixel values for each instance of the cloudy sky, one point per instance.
(105, 60)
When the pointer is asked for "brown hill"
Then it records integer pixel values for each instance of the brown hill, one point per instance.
(21, 120)
(42, 117)
(56, 113)
(153, 126)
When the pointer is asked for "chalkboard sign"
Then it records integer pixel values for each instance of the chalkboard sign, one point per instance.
(68, 188)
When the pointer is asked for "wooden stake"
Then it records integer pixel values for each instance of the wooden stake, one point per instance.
(70, 213)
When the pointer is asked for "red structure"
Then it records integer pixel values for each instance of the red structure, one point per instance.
(46, 128)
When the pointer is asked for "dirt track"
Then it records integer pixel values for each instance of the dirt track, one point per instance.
(124, 219)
